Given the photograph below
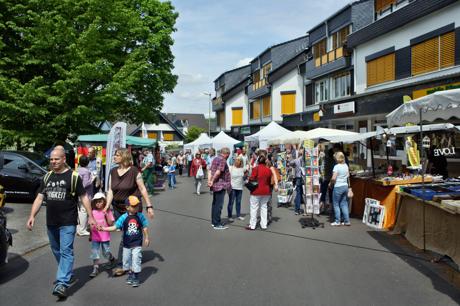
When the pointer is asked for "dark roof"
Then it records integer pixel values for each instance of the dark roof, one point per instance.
(233, 77)
(397, 19)
(193, 119)
(162, 116)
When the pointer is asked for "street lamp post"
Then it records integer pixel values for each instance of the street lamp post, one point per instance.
(209, 112)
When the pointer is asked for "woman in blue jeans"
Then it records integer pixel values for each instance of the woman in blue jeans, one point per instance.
(339, 182)
(237, 178)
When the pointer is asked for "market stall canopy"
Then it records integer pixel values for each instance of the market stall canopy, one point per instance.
(439, 105)
(272, 130)
(396, 131)
(315, 134)
(202, 141)
(223, 140)
(130, 140)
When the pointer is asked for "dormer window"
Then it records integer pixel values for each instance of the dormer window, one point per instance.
(259, 77)
(386, 7)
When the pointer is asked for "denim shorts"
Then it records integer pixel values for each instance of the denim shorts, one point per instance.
(96, 246)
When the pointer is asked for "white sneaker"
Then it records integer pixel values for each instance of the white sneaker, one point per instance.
(85, 233)
(241, 218)
(230, 220)
(335, 224)
(198, 193)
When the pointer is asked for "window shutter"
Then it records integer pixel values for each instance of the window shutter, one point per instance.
(266, 106)
(237, 116)
(287, 104)
(381, 70)
(389, 67)
(256, 109)
(447, 50)
(425, 56)
(167, 136)
(152, 135)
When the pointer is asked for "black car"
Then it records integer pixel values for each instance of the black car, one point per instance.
(20, 174)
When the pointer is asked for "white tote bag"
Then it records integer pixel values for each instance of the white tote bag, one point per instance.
(200, 173)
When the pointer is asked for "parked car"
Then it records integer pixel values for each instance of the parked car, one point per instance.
(20, 174)
(6, 239)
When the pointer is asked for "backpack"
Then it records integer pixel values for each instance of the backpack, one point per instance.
(73, 181)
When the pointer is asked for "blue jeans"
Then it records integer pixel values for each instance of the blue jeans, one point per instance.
(132, 259)
(61, 242)
(299, 193)
(171, 180)
(235, 195)
(340, 201)
(96, 246)
(217, 203)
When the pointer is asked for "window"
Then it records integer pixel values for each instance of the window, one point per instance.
(319, 52)
(287, 103)
(255, 110)
(433, 54)
(341, 85)
(237, 116)
(266, 106)
(168, 136)
(340, 37)
(266, 70)
(259, 77)
(322, 90)
(383, 5)
(152, 135)
(381, 70)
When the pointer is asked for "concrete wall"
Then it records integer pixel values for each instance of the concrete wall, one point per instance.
(289, 82)
(400, 38)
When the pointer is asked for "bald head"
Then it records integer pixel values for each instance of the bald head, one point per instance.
(57, 160)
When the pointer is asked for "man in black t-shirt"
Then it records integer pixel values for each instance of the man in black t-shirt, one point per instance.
(61, 216)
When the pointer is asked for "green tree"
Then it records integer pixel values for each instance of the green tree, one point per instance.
(193, 133)
(66, 65)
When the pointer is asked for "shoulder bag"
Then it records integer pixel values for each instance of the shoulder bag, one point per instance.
(252, 185)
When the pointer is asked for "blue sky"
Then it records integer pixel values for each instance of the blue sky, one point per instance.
(215, 36)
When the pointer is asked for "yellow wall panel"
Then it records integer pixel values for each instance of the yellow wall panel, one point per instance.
(237, 116)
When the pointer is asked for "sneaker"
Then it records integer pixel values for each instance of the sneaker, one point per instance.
(346, 223)
(72, 280)
(263, 228)
(230, 220)
(220, 227)
(95, 272)
(135, 281)
(249, 228)
(130, 278)
(60, 291)
(335, 224)
(297, 213)
(241, 218)
(118, 271)
(85, 233)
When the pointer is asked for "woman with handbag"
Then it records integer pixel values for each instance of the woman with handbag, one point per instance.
(260, 195)
(197, 170)
(341, 192)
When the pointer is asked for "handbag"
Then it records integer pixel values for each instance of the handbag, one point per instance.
(199, 173)
(252, 185)
(350, 191)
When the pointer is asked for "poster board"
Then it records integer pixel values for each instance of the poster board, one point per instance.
(374, 213)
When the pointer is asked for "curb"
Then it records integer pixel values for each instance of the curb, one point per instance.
(12, 256)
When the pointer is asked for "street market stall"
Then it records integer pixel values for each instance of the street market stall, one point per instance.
(202, 141)
(222, 140)
(262, 137)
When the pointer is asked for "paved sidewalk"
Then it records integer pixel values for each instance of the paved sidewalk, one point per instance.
(25, 241)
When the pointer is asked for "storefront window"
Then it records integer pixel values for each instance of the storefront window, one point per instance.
(341, 85)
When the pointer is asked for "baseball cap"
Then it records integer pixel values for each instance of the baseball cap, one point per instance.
(99, 195)
(132, 201)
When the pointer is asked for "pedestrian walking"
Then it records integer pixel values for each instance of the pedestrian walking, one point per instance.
(237, 173)
(298, 165)
(171, 175)
(261, 195)
(87, 182)
(100, 240)
(339, 182)
(125, 180)
(219, 182)
(95, 166)
(180, 162)
(61, 189)
(189, 157)
(197, 170)
(147, 170)
(134, 226)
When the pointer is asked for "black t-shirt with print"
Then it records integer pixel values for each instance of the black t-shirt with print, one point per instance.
(61, 207)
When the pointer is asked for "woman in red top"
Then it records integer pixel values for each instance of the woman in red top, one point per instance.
(198, 162)
(261, 195)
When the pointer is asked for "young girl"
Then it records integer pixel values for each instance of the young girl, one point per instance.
(100, 239)
(171, 175)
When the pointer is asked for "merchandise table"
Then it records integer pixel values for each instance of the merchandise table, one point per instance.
(441, 226)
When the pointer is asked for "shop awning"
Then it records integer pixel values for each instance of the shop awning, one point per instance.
(130, 140)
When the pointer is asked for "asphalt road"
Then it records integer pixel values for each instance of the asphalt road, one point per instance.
(189, 263)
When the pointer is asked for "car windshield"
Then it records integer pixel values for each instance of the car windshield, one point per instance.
(39, 159)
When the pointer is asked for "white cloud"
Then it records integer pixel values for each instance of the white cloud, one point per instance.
(185, 79)
(243, 62)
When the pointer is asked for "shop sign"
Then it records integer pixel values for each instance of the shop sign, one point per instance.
(316, 117)
(348, 107)
(444, 152)
(245, 130)
(427, 91)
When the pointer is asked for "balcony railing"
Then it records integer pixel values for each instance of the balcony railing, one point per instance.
(330, 57)
(259, 84)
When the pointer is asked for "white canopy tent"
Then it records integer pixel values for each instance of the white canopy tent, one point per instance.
(222, 140)
(439, 105)
(315, 134)
(203, 141)
(272, 130)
